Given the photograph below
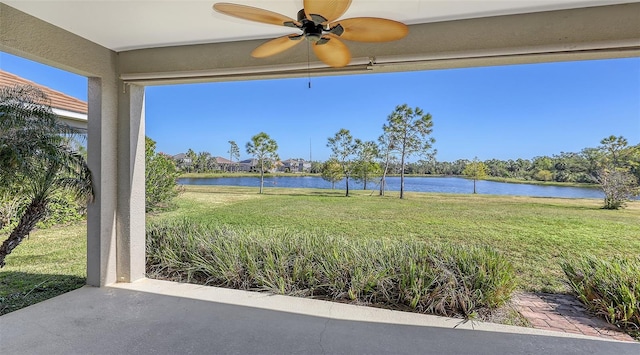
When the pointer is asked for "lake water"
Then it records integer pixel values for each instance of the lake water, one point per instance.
(453, 185)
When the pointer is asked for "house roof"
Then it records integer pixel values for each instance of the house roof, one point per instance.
(221, 160)
(58, 99)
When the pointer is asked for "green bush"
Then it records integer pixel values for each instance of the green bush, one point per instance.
(610, 288)
(10, 207)
(62, 208)
(161, 175)
(439, 279)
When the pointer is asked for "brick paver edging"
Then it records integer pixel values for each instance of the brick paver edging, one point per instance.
(564, 313)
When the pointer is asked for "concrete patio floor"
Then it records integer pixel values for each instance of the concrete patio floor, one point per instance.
(159, 317)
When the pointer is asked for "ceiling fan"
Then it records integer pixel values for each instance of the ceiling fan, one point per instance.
(318, 21)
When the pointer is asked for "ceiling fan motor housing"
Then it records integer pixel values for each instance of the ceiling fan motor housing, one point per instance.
(312, 29)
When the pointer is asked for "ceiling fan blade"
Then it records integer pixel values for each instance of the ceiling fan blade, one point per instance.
(252, 13)
(371, 29)
(333, 53)
(329, 9)
(276, 46)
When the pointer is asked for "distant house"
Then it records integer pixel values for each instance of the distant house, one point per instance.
(295, 166)
(69, 110)
(182, 160)
(248, 165)
(253, 165)
(224, 164)
(180, 156)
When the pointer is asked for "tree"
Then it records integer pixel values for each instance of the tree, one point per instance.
(34, 156)
(476, 170)
(632, 156)
(331, 172)
(542, 167)
(161, 176)
(342, 150)
(202, 162)
(543, 175)
(618, 185)
(542, 163)
(611, 147)
(365, 164)
(592, 158)
(192, 157)
(614, 176)
(262, 147)
(425, 166)
(523, 167)
(409, 129)
(497, 168)
(316, 167)
(386, 147)
(234, 152)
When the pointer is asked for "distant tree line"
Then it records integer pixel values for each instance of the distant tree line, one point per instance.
(614, 165)
(580, 167)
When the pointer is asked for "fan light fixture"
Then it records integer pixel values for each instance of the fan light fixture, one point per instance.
(318, 21)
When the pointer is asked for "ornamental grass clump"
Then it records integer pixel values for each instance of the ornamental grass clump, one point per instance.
(610, 288)
(439, 279)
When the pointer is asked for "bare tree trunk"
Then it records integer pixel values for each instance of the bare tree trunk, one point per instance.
(404, 153)
(383, 180)
(34, 213)
(347, 194)
(261, 177)
(365, 181)
(402, 177)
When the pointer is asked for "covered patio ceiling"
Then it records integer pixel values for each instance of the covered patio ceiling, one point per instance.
(149, 24)
(122, 46)
(162, 42)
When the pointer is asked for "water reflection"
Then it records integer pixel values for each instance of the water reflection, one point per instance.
(453, 185)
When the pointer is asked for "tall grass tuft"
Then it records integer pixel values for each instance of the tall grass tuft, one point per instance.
(610, 288)
(439, 279)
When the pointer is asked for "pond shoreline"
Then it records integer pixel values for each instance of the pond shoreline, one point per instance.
(421, 183)
(300, 175)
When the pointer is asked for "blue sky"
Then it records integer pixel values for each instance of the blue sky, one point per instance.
(507, 112)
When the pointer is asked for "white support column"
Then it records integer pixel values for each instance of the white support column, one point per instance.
(32, 38)
(130, 217)
(101, 214)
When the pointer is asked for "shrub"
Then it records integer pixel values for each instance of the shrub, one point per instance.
(610, 288)
(440, 279)
(543, 175)
(10, 206)
(62, 208)
(161, 176)
(619, 187)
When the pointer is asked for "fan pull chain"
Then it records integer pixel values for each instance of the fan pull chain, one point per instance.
(308, 63)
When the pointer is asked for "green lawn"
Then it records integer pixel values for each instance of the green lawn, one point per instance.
(49, 263)
(534, 233)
